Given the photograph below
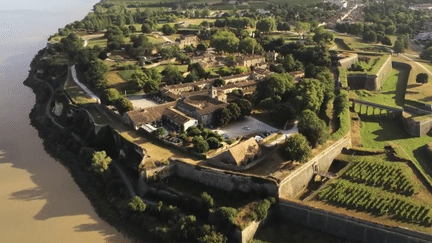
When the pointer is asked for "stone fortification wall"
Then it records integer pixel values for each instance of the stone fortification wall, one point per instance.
(348, 61)
(227, 181)
(347, 227)
(368, 81)
(296, 181)
(417, 128)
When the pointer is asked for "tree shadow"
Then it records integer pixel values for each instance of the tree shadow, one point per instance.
(391, 129)
(109, 236)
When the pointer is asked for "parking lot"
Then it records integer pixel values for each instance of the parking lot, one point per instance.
(141, 102)
(250, 125)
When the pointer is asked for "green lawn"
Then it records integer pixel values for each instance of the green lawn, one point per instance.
(392, 92)
(126, 74)
(377, 131)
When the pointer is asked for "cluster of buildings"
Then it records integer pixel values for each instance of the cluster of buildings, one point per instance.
(190, 104)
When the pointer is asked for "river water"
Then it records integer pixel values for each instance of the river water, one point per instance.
(39, 201)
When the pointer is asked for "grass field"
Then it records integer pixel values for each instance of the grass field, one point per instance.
(415, 91)
(392, 92)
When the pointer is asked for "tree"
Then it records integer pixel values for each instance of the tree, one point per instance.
(193, 131)
(225, 41)
(137, 205)
(250, 46)
(211, 235)
(309, 94)
(100, 161)
(266, 25)
(399, 47)
(123, 105)
(422, 78)
(234, 110)
(168, 29)
(290, 65)
(267, 104)
(313, 128)
(283, 26)
(386, 41)
(224, 116)
(390, 30)
(245, 107)
(172, 73)
(200, 145)
(322, 36)
(207, 200)
(191, 77)
(274, 86)
(296, 148)
(160, 132)
(226, 215)
(218, 82)
(213, 143)
(111, 95)
(302, 27)
(426, 54)
(370, 36)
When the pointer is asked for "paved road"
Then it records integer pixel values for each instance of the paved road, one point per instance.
(417, 63)
(83, 87)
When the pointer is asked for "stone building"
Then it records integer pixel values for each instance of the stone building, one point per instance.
(186, 40)
(250, 60)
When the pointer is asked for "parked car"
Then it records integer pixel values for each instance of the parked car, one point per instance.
(246, 128)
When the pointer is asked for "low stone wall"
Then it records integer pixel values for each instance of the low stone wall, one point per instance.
(299, 179)
(370, 81)
(347, 227)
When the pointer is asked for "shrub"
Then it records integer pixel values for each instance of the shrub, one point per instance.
(193, 131)
(213, 142)
(111, 95)
(262, 208)
(297, 148)
(200, 145)
(422, 78)
(226, 215)
(207, 200)
(137, 204)
(160, 132)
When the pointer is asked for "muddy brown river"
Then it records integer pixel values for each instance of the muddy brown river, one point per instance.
(39, 201)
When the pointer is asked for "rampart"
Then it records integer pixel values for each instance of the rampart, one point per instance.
(224, 180)
(371, 81)
(418, 126)
(295, 182)
(347, 227)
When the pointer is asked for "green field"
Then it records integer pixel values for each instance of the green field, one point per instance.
(392, 92)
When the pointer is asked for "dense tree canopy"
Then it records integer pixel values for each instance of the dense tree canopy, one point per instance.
(225, 41)
(313, 128)
(266, 25)
(296, 148)
(274, 86)
(309, 95)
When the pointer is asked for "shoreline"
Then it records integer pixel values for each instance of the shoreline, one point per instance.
(63, 154)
